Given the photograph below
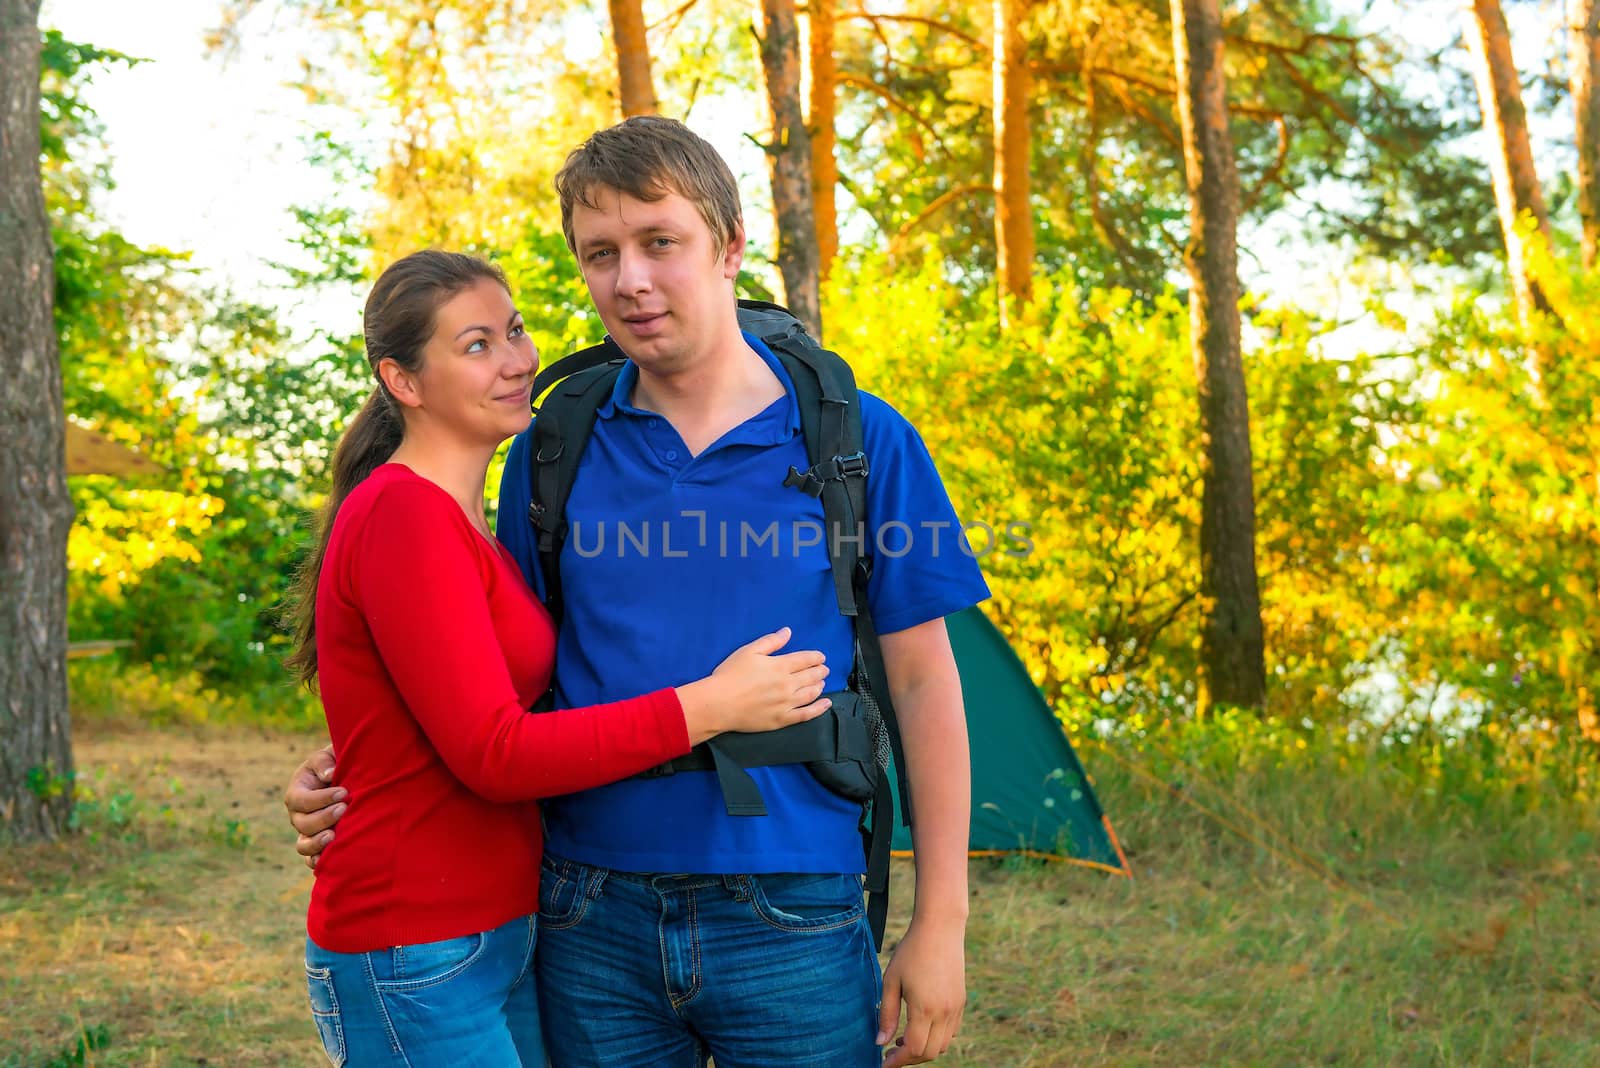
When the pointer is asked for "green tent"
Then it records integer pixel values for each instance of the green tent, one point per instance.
(1029, 793)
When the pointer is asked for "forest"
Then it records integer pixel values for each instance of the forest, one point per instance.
(1275, 325)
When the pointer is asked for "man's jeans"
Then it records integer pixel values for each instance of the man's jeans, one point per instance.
(463, 1003)
(663, 970)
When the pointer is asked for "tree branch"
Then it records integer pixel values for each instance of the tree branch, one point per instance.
(943, 27)
(898, 241)
(672, 18)
(1273, 173)
(888, 97)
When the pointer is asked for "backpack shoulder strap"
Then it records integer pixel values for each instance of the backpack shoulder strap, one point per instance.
(593, 356)
(560, 434)
(830, 420)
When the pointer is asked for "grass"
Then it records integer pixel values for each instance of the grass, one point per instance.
(1375, 920)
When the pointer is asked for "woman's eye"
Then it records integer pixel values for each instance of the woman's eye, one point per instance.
(478, 345)
(517, 331)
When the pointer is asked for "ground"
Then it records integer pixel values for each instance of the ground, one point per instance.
(169, 931)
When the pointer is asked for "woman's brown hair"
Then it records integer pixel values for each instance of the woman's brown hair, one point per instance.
(396, 325)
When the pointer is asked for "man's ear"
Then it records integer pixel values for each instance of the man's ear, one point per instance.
(402, 384)
(733, 254)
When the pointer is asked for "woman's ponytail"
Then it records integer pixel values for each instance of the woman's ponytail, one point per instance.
(367, 443)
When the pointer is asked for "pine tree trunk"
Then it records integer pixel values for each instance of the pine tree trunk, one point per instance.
(1013, 150)
(35, 509)
(633, 58)
(1583, 29)
(789, 156)
(824, 164)
(1516, 183)
(1231, 646)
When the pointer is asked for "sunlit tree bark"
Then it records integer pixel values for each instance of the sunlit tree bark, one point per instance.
(1516, 183)
(638, 91)
(1013, 151)
(1231, 644)
(824, 108)
(1583, 32)
(789, 157)
(35, 509)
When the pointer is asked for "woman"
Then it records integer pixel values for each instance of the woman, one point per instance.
(427, 647)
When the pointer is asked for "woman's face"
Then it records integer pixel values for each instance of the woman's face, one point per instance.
(478, 366)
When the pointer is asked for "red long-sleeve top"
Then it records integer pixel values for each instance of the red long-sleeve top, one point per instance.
(430, 648)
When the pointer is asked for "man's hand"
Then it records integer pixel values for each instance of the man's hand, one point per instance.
(928, 972)
(314, 806)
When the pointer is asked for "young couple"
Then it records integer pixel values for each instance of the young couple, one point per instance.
(667, 930)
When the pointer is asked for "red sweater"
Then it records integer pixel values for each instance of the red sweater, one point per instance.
(429, 649)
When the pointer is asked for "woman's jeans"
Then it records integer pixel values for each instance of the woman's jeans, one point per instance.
(659, 971)
(462, 1003)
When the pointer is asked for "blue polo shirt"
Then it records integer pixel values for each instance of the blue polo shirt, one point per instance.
(672, 561)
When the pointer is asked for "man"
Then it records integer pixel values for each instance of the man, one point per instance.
(761, 953)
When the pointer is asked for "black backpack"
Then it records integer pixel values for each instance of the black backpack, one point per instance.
(848, 747)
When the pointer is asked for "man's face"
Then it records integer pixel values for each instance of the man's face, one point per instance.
(663, 291)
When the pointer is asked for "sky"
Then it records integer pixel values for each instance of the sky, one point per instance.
(206, 153)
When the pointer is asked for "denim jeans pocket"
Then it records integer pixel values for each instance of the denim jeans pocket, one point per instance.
(425, 964)
(325, 1013)
(565, 890)
(807, 904)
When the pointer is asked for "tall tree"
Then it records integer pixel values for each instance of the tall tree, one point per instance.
(1316, 98)
(632, 44)
(1013, 152)
(1231, 644)
(1583, 35)
(789, 157)
(1516, 183)
(824, 140)
(35, 509)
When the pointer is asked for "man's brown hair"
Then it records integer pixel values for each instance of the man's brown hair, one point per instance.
(648, 157)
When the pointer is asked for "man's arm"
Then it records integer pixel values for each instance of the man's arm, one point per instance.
(928, 969)
(314, 806)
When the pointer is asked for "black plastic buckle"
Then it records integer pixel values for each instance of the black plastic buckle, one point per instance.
(852, 466)
(806, 482)
(835, 470)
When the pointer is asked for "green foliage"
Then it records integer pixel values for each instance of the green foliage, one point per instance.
(1426, 531)
(44, 782)
(91, 1039)
(1075, 423)
(242, 414)
(95, 815)
(1494, 549)
(63, 65)
(108, 689)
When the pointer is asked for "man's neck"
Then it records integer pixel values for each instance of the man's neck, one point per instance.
(712, 396)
